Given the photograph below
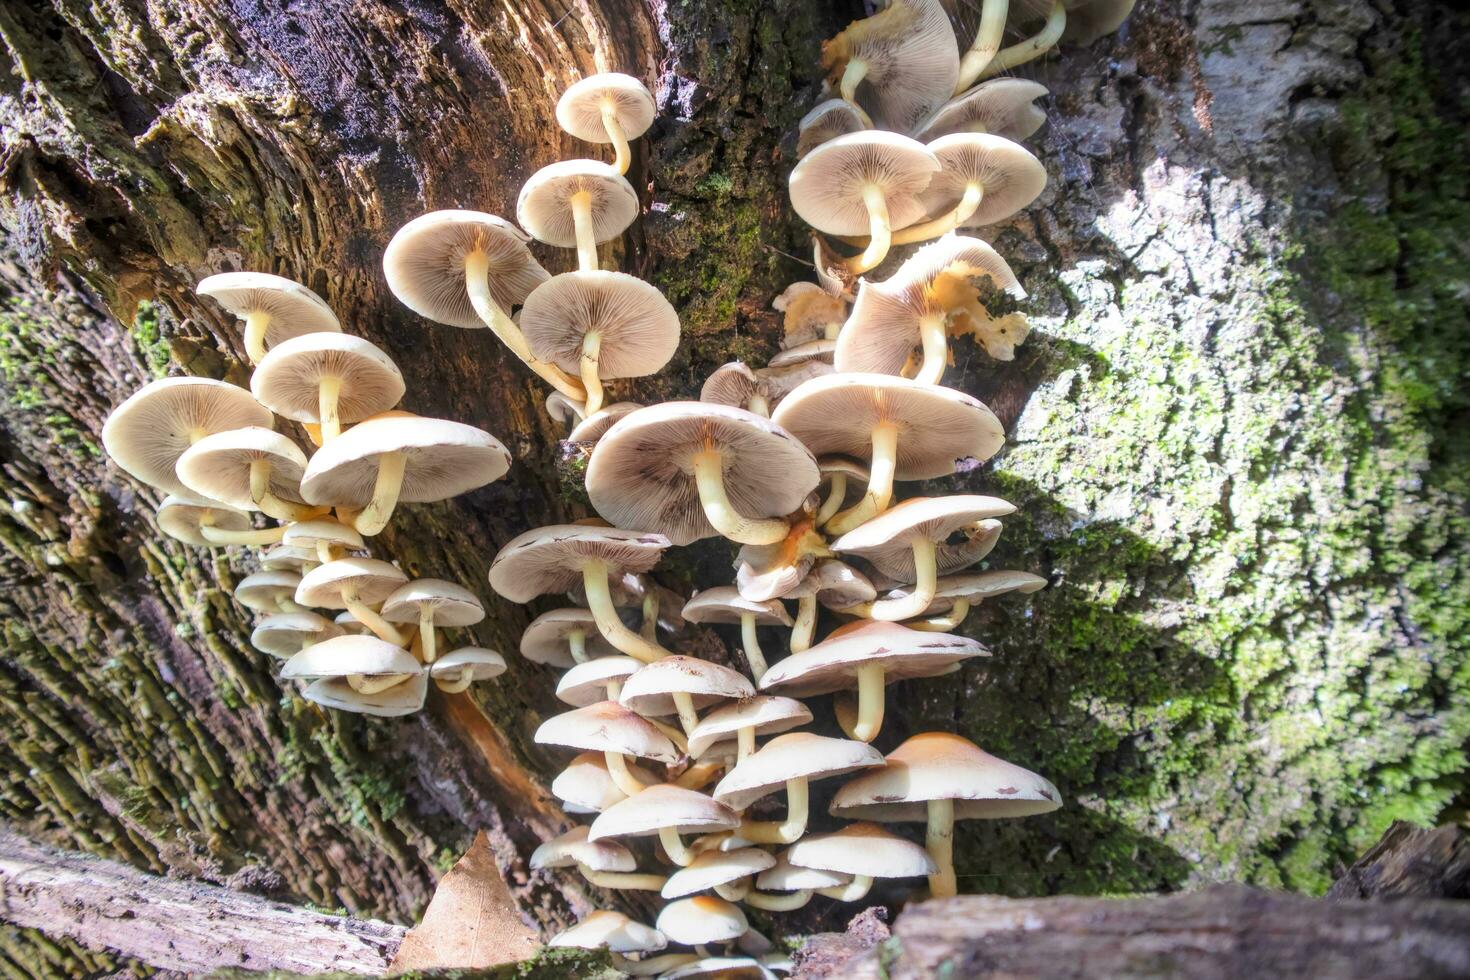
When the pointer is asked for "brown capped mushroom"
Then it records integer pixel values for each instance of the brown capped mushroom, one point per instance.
(596, 680)
(955, 594)
(328, 539)
(621, 937)
(718, 871)
(366, 663)
(403, 698)
(984, 179)
(736, 385)
(607, 108)
(799, 884)
(594, 426)
(789, 761)
(770, 571)
(273, 308)
(269, 590)
(724, 604)
(286, 558)
(586, 786)
(458, 669)
(845, 479)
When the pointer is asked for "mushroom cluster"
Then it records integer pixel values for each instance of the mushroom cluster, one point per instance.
(214, 449)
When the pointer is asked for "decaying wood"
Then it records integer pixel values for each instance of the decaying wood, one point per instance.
(1408, 862)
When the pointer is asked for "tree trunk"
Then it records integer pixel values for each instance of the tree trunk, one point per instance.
(1236, 436)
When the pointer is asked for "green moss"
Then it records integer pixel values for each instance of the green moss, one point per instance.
(147, 333)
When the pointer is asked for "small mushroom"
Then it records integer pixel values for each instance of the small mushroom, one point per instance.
(594, 426)
(328, 379)
(939, 778)
(863, 850)
(283, 635)
(328, 540)
(458, 669)
(605, 863)
(366, 663)
(724, 604)
(564, 638)
(770, 571)
(899, 65)
(701, 920)
(664, 811)
(269, 591)
(432, 602)
(1073, 21)
(743, 720)
(836, 585)
(828, 120)
(273, 308)
(984, 179)
(354, 584)
(284, 557)
(607, 108)
(621, 937)
(1002, 106)
(586, 786)
(565, 410)
(613, 730)
(789, 761)
(986, 43)
(718, 871)
(403, 698)
(799, 884)
(207, 524)
(954, 595)
(736, 385)
(249, 469)
(808, 313)
(577, 204)
(682, 685)
(596, 680)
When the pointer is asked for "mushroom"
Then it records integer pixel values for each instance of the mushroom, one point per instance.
(327, 540)
(206, 524)
(912, 308)
(273, 308)
(1074, 21)
(597, 680)
(899, 65)
(148, 432)
(606, 864)
(555, 558)
(284, 557)
(403, 698)
(863, 850)
(354, 584)
(955, 594)
(718, 871)
(903, 429)
(607, 108)
(366, 663)
(458, 669)
(808, 313)
(701, 920)
(743, 720)
(736, 385)
(868, 654)
(620, 936)
(613, 730)
(724, 604)
(682, 685)
(564, 638)
(1002, 106)
(769, 571)
(790, 761)
(828, 120)
(282, 635)
(939, 778)
(837, 585)
(842, 476)
(432, 602)
(249, 469)
(694, 470)
(384, 460)
(798, 883)
(594, 426)
(664, 811)
(586, 786)
(577, 204)
(564, 410)
(985, 44)
(601, 325)
(902, 543)
(269, 591)
(327, 379)
(863, 184)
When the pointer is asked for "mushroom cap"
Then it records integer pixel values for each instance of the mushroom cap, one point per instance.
(832, 665)
(767, 715)
(288, 379)
(835, 584)
(373, 580)
(218, 467)
(701, 919)
(180, 517)
(795, 755)
(482, 664)
(723, 604)
(579, 110)
(585, 783)
(444, 459)
(451, 604)
(1088, 20)
(396, 701)
(594, 426)
(424, 265)
(1003, 106)
(308, 534)
(293, 309)
(612, 931)
(639, 330)
(545, 640)
(937, 427)
(263, 590)
(148, 432)
(282, 635)
(285, 557)
(861, 849)
(733, 967)
(663, 807)
(912, 59)
(779, 381)
(975, 587)
(716, 868)
(573, 848)
(607, 727)
(784, 876)
(827, 120)
(731, 384)
(769, 571)
(343, 656)
(642, 473)
(887, 540)
(827, 185)
(586, 683)
(935, 281)
(1010, 176)
(549, 559)
(941, 766)
(651, 690)
(545, 205)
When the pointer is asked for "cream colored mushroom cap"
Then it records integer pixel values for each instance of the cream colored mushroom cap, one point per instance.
(451, 603)
(424, 265)
(288, 379)
(723, 604)
(573, 847)
(545, 639)
(594, 426)
(651, 690)
(396, 701)
(264, 589)
(976, 587)
(607, 727)
(638, 329)
(937, 427)
(716, 868)
(180, 517)
(730, 384)
(218, 467)
(861, 849)
(282, 635)
(827, 185)
(308, 534)
(795, 755)
(284, 557)
(549, 559)
(1088, 20)
(483, 664)
(912, 59)
(820, 350)
(343, 656)
(941, 766)
(663, 807)
(1003, 106)
(701, 919)
(579, 110)
(784, 876)
(887, 540)
(832, 665)
(766, 714)
(642, 472)
(835, 584)
(586, 683)
(1011, 177)
(442, 459)
(612, 931)
(293, 309)
(827, 120)
(371, 579)
(148, 432)
(545, 208)
(585, 783)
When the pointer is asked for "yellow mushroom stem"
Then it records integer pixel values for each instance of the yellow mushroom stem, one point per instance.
(591, 349)
(365, 615)
(709, 477)
(326, 551)
(836, 494)
(939, 842)
(744, 742)
(426, 633)
(752, 644)
(944, 224)
(674, 847)
(1033, 47)
(670, 732)
(220, 536)
(328, 398)
(986, 43)
(872, 679)
(853, 891)
(852, 76)
(786, 831)
(652, 966)
(615, 135)
(621, 775)
(688, 717)
(581, 204)
(600, 604)
(778, 903)
(733, 891)
(880, 482)
(648, 627)
(256, 324)
(699, 775)
(831, 329)
(288, 606)
(806, 623)
(935, 341)
(622, 880)
(375, 683)
(577, 646)
(269, 503)
(477, 286)
(462, 683)
(880, 235)
(375, 516)
(759, 405)
(926, 580)
(943, 624)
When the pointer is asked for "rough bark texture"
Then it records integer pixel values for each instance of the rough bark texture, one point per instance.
(1236, 437)
(1410, 862)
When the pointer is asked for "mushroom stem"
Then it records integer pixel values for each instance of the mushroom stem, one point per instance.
(477, 285)
(751, 641)
(688, 717)
(1033, 47)
(699, 775)
(986, 43)
(269, 503)
(853, 891)
(926, 577)
(945, 223)
(674, 847)
(325, 552)
(426, 634)
(943, 624)
(939, 841)
(599, 602)
(806, 623)
(365, 615)
(709, 476)
(648, 628)
(778, 903)
(673, 734)
(880, 235)
(936, 348)
(621, 775)
(836, 494)
(328, 396)
(618, 138)
(880, 482)
(733, 891)
(287, 606)
(374, 684)
(581, 203)
(466, 678)
(623, 881)
(256, 324)
(219, 536)
(375, 516)
(871, 701)
(786, 831)
(591, 348)
(744, 742)
(759, 405)
(653, 965)
(852, 76)
(613, 689)
(577, 644)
